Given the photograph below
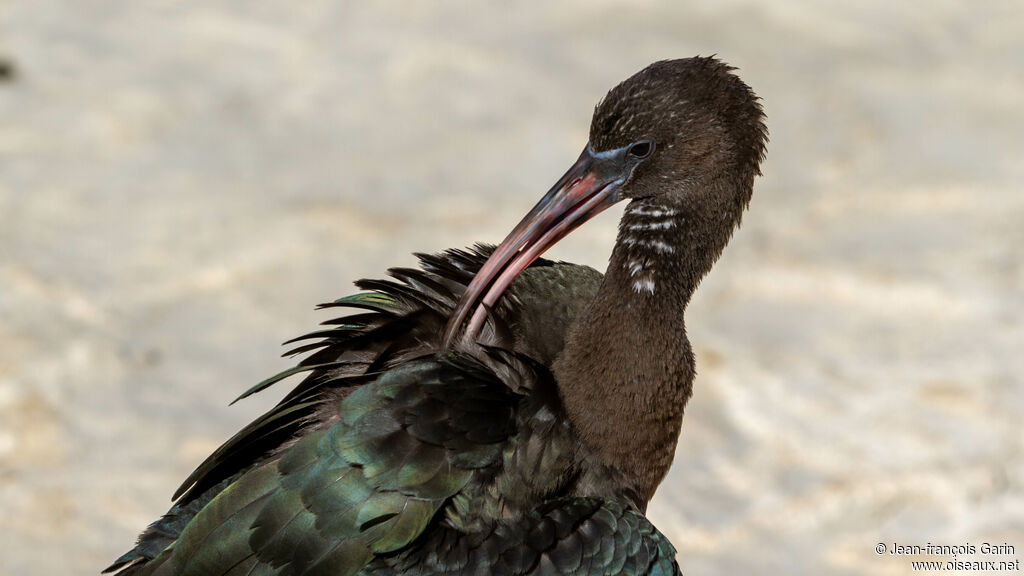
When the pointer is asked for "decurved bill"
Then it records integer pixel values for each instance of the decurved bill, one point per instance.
(589, 187)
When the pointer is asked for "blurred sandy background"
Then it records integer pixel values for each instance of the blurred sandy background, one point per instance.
(181, 181)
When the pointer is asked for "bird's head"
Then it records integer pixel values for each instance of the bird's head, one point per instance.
(677, 126)
(679, 132)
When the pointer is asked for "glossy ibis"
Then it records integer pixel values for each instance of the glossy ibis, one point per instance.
(492, 412)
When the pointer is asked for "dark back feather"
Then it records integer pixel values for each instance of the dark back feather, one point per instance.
(393, 323)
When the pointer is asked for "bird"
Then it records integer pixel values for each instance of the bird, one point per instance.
(491, 411)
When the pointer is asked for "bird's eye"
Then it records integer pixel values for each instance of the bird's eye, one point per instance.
(641, 149)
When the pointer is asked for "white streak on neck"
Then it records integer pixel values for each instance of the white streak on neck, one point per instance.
(657, 211)
(658, 246)
(644, 285)
(655, 225)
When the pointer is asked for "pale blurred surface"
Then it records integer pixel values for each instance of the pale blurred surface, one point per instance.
(181, 181)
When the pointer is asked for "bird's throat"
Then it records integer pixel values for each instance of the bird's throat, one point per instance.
(626, 374)
(627, 369)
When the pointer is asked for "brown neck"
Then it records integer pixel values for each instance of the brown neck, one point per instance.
(627, 368)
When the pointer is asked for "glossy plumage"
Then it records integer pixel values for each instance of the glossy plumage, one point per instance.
(490, 412)
(389, 432)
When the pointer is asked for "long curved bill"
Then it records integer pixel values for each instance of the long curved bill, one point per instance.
(590, 186)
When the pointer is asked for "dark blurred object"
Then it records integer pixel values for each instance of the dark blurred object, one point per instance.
(7, 70)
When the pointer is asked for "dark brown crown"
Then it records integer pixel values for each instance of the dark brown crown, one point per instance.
(702, 118)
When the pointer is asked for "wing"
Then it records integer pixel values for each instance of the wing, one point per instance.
(396, 322)
(567, 536)
(367, 485)
(392, 320)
